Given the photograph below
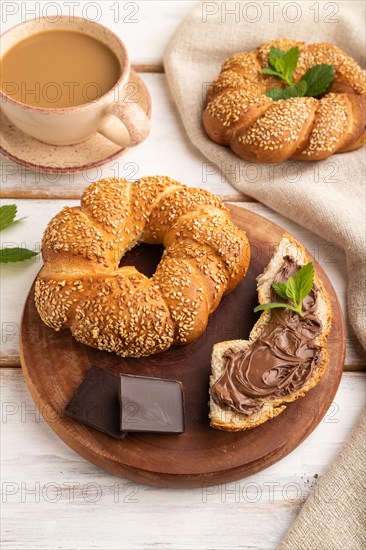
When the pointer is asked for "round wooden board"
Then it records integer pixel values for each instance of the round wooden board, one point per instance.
(54, 364)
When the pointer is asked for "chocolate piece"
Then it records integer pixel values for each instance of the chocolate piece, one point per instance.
(151, 405)
(96, 402)
(279, 362)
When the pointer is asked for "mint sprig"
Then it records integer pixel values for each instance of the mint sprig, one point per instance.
(283, 65)
(16, 254)
(294, 290)
(7, 215)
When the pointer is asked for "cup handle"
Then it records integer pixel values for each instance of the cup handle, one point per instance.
(125, 123)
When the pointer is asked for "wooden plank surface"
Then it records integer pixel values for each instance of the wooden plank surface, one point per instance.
(62, 501)
(16, 279)
(51, 497)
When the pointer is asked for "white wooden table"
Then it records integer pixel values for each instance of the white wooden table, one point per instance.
(51, 497)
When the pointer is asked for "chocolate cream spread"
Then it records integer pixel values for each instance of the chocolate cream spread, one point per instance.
(279, 362)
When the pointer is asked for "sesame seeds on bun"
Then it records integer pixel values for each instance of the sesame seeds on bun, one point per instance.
(120, 310)
(258, 129)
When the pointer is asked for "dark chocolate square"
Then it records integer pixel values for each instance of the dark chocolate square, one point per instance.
(151, 405)
(96, 402)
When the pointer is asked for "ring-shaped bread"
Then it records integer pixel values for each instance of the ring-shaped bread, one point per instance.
(121, 310)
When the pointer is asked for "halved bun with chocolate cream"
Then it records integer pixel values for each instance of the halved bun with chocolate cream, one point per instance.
(241, 396)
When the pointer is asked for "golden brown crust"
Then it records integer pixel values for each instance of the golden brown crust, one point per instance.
(119, 309)
(229, 81)
(233, 109)
(239, 114)
(331, 127)
(276, 135)
(227, 419)
(215, 229)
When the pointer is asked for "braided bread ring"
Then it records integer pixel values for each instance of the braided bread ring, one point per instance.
(258, 129)
(119, 309)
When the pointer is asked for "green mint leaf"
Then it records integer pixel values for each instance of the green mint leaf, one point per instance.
(15, 255)
(268, 70)
(290, 60)
(7, 215)
(283, 64)
(274, 54)
(289, 92)
(304, 280)
(280, 66)
(297, 90)
(295, 289)
(291, 290)
(272, 305)
(274, 93)
(280, 290)
(318, 79)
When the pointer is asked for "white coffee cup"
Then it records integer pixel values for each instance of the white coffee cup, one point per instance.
(113, 114)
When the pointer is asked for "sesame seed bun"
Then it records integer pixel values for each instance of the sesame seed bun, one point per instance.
(80, 286)
(258, 129)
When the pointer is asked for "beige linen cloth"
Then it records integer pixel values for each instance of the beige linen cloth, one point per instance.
(327, 197)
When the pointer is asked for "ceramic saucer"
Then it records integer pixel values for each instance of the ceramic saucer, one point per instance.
(97, 150)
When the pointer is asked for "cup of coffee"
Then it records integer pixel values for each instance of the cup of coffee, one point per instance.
(64, 79)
